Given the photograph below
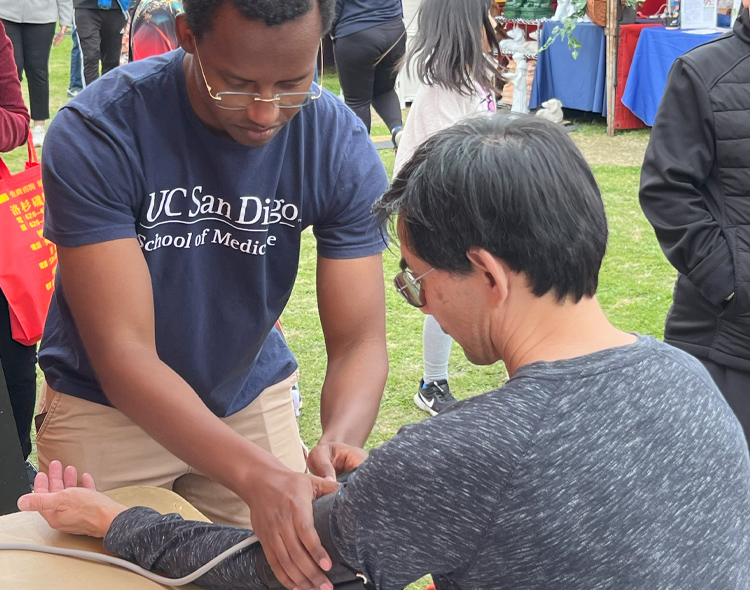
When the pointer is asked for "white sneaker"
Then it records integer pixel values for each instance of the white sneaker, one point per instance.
(37, 135)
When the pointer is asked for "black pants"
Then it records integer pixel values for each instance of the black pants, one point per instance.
(735, 387)
(19, 366)
(366, 82)
(100, 36)
(31, 46)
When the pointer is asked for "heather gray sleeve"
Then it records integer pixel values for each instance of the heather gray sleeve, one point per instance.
(178, 547)
(424, 501)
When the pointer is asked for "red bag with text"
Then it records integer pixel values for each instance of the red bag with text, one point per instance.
(27, 261)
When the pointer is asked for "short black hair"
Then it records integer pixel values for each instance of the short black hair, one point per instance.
(200, 14)
(515, 186)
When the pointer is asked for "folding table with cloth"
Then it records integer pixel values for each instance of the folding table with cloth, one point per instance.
(38, 571)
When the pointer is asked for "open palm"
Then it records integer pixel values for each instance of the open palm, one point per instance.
(70, 508)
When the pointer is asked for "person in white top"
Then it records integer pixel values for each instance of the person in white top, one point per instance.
(31, 24)
(449, 57)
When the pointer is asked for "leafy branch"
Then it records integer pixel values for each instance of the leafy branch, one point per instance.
(567, 26)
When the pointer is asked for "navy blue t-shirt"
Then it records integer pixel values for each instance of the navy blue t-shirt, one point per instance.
(218, 223)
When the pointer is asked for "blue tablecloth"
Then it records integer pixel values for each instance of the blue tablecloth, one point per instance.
(655, 53)
(578, 83)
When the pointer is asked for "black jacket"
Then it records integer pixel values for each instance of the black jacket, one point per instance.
(695, 191)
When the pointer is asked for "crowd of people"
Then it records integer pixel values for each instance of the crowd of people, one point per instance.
(177, 188)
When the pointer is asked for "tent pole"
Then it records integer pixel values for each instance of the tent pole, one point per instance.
(611, 33)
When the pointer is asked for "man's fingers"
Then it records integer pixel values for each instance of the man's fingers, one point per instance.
(41, 483)
(56, 477)
(70, 477)
(37, 502)
(88, 481)
(278, 571)
(24, 502)
(327, 472)
(323, 487)
(305, 531)
(301, 564)
(292, 568)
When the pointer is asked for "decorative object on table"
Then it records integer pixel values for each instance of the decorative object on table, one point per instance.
(506, 96)
(535, 9)
(564, 10)
(671, 15)
(518, 78)
(597, 11)
(517, 42)
(527, 9)
(698, 14)
(512, 8)
(551, 110)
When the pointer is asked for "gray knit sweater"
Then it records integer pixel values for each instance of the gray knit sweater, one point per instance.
(620, 470)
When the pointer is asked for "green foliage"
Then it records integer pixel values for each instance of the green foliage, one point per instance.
(565, 30)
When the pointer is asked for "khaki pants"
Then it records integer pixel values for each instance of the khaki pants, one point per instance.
(105, 443)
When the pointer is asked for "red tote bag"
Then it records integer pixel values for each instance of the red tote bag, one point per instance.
(27, 261)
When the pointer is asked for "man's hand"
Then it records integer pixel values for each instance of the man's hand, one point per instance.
(329, 460)
(60, 36)
(67, 507)
(281, 511)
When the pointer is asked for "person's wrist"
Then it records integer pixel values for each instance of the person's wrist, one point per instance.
(106, 517)
(253, 472)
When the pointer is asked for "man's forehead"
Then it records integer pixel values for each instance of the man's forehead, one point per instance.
(289, 37)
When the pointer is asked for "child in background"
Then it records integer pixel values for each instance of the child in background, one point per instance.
(449, 57)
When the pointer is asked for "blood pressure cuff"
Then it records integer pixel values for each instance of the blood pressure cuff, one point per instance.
(341, 575)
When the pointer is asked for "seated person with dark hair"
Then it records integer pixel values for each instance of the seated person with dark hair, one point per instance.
(608, 460)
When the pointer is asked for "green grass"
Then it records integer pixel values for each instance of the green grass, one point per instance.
(635, 290)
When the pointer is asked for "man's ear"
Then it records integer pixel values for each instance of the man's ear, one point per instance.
(185, 36)
(495, 274)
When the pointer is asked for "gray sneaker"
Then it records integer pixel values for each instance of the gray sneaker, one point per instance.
(434, 397)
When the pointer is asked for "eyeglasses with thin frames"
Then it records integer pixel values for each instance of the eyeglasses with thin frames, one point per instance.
(409, 287)
(239, 101)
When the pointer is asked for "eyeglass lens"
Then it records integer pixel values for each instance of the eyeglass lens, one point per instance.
(242, 100)
(409, 288)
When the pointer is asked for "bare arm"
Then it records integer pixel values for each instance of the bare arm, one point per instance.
(113, 308)
(351, 300)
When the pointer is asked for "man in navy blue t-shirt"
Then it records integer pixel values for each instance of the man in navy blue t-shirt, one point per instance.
(177, 189)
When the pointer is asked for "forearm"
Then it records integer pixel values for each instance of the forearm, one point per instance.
(14, 129)
(352, 391)
(178, 547)
(156, 398)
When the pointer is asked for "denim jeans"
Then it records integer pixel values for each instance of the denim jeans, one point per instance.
(76, 64)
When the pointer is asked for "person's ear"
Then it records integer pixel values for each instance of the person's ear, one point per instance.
(185, 36)
(494, 273)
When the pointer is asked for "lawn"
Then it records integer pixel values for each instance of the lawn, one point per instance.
(635, 283)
